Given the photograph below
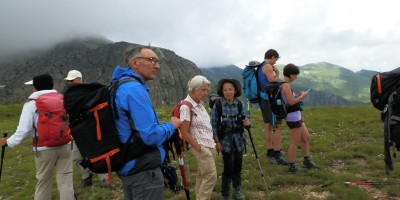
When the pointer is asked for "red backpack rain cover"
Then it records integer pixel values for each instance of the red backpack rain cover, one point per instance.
(52, 126)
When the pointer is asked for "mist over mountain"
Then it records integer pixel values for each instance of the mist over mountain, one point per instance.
(96, 59)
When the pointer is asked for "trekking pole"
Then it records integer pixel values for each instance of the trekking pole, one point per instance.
(187, 162)
(387, 156)
(2, 155)
(371, 183)
(248, 128)
(181, 162)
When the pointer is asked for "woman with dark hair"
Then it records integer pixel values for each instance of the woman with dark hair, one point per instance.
(298, 129)
(228, 117)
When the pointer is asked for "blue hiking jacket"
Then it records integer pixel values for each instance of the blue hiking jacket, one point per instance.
(133, 96)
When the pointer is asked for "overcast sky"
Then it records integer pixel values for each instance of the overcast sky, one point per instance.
(356, 34)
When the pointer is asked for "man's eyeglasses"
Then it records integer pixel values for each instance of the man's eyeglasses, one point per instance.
(151, 59)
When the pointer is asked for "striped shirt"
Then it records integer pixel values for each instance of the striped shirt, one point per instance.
(200, 127)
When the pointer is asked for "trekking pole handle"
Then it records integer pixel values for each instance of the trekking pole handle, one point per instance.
(248, 126)
(4, 136)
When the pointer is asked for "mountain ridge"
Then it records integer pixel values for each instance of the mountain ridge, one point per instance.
(97, 57)
(347, 87)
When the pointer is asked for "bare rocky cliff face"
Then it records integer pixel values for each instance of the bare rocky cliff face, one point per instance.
(96, 59)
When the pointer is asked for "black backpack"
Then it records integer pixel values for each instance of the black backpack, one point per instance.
(382, 86)
(93, 128)
(212, 99)
(278, 105)
(170, 177)
(215, 100)
(391, 118)
(385, 96)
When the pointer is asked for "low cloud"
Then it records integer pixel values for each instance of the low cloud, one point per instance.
(214, 33)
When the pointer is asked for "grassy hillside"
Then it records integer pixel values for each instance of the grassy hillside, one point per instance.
(336, 80)
(366, 73)
(329, 80)
(346, 142)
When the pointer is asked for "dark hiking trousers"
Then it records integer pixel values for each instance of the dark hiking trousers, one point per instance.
(232, 171)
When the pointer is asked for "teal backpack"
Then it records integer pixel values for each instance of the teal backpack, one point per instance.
(250, 82)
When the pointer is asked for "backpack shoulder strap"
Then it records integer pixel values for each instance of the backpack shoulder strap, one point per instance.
(218, 105)
(188, 104)
(240, 107)
(113, 92)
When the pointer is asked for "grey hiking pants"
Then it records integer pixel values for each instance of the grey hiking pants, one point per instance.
(145, 185)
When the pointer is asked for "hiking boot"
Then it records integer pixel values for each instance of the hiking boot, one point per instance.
(273, 161)
(308, 163)
(87, 181)
(237, 195)
(270, 154)
(279, 160)
(226, 197)
(293, 168)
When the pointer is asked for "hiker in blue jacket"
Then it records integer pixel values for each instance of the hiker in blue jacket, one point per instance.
(141, 177)
(227, 123)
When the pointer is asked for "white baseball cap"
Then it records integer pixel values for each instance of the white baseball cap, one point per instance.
(29, 82)
(73, 74)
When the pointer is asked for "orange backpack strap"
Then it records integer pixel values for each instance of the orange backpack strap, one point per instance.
(378, 83)
(106, 156)
(96, 116)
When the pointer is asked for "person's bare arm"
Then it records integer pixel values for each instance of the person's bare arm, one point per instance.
(287, 92)
(184, 129)
(271, 72)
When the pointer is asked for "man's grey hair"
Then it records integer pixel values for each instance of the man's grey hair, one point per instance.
(196, 82)
(134, 53)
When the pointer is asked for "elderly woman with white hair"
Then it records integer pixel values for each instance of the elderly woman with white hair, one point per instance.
(196, 129)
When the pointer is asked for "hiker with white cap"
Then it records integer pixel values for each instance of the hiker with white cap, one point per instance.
(75, 77)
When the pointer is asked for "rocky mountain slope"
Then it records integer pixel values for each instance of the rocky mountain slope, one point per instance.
(95, 58)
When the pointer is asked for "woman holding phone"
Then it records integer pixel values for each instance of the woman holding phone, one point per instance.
(298, 129)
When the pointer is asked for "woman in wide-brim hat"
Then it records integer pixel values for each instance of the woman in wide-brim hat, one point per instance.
(236, 84)
(227, 123)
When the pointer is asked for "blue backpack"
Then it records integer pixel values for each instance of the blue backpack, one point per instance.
(250, 82)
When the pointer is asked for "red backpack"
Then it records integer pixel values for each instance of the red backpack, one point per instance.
(168, 145)
(175, 110)
(52, 127)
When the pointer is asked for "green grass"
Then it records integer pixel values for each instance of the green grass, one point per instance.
(347, 142)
